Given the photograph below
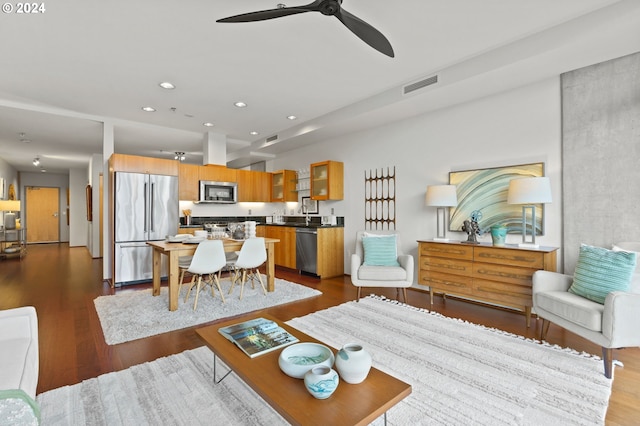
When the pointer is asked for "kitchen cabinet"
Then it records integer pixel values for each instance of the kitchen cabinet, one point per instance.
(285, 250)
(330, 252)
(283, 186)
(189, 182)
(330, 248)
(327, 180)
(253, 186)
(190, 230)
(494, 274)
(138, 164)
(217, 173)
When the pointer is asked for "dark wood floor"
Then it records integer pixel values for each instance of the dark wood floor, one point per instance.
(61, 282)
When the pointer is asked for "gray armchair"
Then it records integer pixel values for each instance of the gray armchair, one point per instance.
(399, 277)
(612, 325)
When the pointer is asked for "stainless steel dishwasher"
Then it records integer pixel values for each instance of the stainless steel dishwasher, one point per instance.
(307, 250)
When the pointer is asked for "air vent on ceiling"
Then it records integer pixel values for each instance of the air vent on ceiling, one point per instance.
(272, 138)
(420, 84)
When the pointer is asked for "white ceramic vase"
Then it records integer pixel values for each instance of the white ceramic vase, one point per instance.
(321, 381)
(353, 363)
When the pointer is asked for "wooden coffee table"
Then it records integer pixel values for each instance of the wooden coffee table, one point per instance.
(349, 405)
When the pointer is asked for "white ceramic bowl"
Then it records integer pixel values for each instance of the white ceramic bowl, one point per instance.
(297, 359)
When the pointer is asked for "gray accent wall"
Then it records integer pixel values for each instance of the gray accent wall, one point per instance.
(600, 155)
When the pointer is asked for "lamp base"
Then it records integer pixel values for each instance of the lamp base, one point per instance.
(9, 220)
(529, 245)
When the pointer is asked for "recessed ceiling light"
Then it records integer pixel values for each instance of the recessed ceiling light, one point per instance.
(36, 161)
(43, 170)
(254, 133)
(148, 109)
(167, 85)
(240, 104)
(207, 124)
(291, 117)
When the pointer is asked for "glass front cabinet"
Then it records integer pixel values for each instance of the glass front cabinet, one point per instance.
(327, 180)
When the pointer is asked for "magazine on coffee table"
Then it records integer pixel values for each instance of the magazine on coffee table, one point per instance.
(258, 336)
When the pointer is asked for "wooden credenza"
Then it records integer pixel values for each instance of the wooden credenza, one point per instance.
(483, 272)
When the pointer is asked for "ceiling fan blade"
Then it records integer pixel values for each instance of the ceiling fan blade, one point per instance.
(263, 15)
(366, 32)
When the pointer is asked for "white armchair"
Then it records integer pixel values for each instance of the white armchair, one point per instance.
(612, 325)
(363, 275)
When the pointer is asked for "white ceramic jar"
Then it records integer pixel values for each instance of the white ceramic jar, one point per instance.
(321, 381)
(353, 363)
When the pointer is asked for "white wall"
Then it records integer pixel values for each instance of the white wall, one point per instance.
(77, 208)
(515, 127)
(94, 172)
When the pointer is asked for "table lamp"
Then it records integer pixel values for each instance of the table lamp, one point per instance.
(10, 206)
(529, 191)
(441, 196)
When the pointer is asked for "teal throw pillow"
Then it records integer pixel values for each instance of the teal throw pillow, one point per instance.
(380, 251)
(600, 271)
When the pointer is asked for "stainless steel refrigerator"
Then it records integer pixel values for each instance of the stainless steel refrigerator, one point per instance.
(146, 209)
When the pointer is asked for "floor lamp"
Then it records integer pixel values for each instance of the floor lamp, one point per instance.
(529, 191)
(10, 206)
(441, 196)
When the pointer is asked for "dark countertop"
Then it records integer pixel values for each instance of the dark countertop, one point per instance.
(302, 225)
(286, 224)
(290, 221)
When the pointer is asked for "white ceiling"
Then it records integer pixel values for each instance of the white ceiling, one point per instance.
(83, 62)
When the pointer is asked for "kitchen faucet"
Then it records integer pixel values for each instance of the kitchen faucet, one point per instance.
(307, 219)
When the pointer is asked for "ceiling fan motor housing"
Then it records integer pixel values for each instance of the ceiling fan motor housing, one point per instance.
(330, 7)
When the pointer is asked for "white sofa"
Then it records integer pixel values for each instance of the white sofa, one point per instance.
(19, 356)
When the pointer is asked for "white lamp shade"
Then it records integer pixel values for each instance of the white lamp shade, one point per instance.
(441, 196)
(534, 190)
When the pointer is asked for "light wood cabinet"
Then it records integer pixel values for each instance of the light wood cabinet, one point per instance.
(189, 182)
(493, 274)
(327, 180)
(283, 186)
(138, 164)
(217, 173)
(330, 260)
(285, 250)
(253, 186)
(330, 252)
(189, 230)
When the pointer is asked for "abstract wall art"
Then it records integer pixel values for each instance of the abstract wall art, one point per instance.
(483, 193)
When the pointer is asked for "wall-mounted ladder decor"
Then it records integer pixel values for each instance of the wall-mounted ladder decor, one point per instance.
(380, 199)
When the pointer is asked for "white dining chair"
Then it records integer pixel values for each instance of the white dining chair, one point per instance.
(183, 264)
(208, 261)
(252, 255)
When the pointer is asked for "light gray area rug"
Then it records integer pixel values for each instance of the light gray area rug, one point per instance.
(461, 374)
(176, 390)
(134, 314)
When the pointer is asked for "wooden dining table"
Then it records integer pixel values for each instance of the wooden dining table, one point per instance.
(174, 250)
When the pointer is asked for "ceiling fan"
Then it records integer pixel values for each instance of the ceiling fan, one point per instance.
(364, 31)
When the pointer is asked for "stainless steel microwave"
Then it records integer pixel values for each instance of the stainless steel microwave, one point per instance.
(218, 192)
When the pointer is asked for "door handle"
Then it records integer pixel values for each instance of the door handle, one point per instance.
(146, 207)
(153, 202)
